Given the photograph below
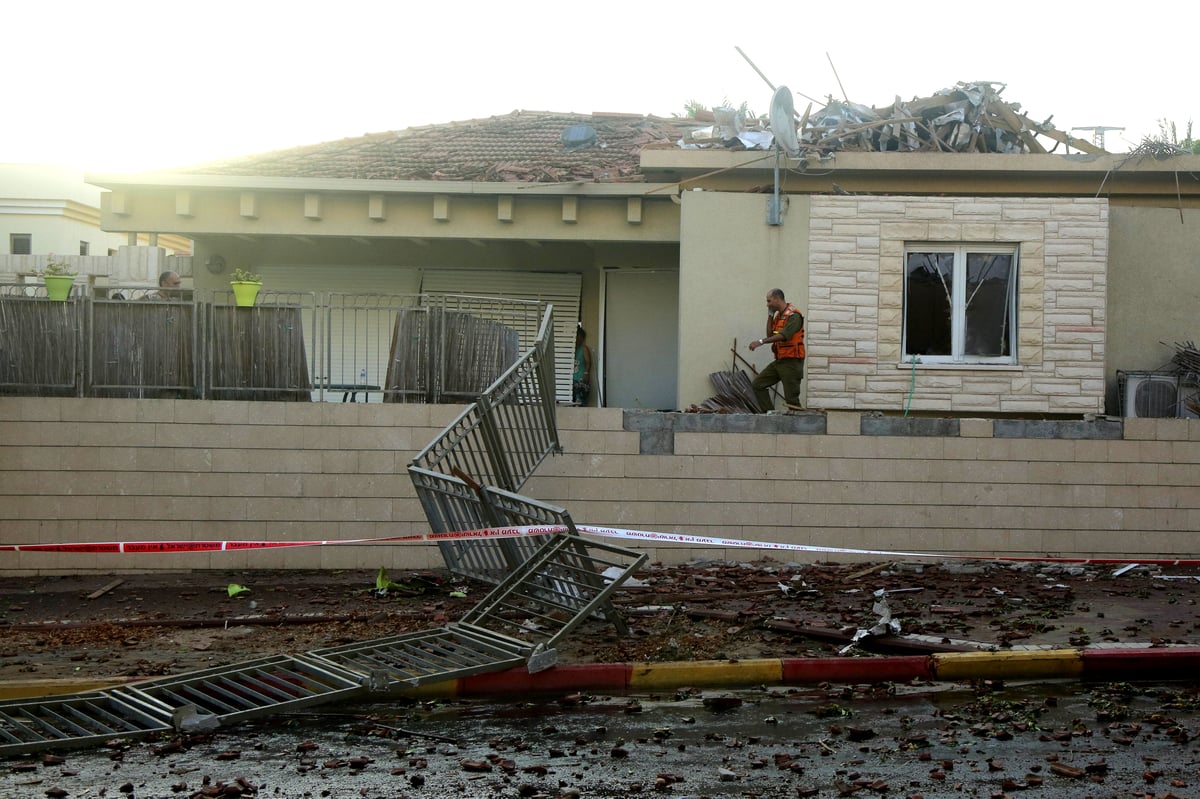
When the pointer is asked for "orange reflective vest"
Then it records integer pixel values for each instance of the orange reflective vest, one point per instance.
(792, 347)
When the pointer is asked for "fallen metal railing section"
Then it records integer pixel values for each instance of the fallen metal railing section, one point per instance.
(546, 585)
(76, 720)
(453, 505)
(518, 622)
(243, 690)
(503, 436)
(493, 447)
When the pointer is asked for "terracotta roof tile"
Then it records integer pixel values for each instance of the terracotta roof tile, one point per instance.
(524, 146)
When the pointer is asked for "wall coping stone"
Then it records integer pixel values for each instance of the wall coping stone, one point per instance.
(1109, 428)
(879, 425)
(810, 423)
(658, 427)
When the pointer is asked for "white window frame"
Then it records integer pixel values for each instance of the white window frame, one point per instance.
(959, 301)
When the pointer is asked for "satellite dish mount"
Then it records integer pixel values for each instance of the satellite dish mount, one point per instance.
(783, 128)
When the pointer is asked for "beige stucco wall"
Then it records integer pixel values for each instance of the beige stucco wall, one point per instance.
(402, 209)
(857, 301)
(101, 470)
(729, 258)
(1154, 287)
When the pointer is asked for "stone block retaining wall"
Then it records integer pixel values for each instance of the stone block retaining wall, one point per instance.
(102, 470)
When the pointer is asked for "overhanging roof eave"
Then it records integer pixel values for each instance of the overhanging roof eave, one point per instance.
(169, 180)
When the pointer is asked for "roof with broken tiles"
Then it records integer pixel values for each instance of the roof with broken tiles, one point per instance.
(524, 146)
(552, 147)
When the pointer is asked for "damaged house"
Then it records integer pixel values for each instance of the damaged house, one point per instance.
(951, 254)
(975, 284)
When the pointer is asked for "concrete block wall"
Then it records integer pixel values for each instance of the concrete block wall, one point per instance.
(101, 470)
(91, 470)
(856, 304)
(1110, 488)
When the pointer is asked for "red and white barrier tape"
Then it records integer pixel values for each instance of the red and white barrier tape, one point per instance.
(130, 547)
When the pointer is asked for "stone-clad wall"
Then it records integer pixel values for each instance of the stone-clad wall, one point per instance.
(856, 304)
(102, 470)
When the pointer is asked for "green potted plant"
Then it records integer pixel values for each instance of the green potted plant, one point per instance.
(58, 278)
(245, 285)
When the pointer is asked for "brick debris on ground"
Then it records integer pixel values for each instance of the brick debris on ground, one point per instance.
(149, 624)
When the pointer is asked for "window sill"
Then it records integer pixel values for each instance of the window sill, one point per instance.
(958, 367)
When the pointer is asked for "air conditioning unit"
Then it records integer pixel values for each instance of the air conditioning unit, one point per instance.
(1149, 395)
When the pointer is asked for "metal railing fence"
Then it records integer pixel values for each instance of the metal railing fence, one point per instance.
(41, 342)
(289, 345)
(142, 349)
(261, 352)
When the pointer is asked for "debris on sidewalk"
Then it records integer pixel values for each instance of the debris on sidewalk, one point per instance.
(886, 625)
(701, 609)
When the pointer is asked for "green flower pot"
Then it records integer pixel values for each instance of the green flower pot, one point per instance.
(244, 293)
(58, 287)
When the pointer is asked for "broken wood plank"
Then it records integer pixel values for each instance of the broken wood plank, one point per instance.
(719, 615)
(651, 598)
(1082, 145)
(803, 122)
(99, 592)
(868, 570)
(1020, 126)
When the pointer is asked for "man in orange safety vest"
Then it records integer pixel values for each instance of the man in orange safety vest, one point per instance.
(785, 334)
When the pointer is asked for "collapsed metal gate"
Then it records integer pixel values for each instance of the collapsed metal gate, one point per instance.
(518, 622)
(466, 478)
(544, 587)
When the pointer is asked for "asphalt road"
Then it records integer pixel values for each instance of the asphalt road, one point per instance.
(1059, 739)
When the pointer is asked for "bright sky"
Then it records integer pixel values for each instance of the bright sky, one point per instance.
(127, 85)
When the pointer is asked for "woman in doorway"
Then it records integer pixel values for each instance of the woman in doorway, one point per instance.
(581, 380)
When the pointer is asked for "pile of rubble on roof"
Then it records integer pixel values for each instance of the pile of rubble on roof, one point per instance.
(971, 117)
(551, 147)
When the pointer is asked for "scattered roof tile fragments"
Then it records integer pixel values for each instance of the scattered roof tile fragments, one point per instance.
(524, 146)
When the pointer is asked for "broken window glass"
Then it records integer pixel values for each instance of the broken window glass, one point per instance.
(960, 303)
(927, 313)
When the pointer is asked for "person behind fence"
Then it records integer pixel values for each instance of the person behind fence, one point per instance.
(785, 334)
(168, 287)
(581, 380)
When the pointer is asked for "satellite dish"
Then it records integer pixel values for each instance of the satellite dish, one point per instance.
(783, 121)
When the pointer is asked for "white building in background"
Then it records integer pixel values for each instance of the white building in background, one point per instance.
(47, 209)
